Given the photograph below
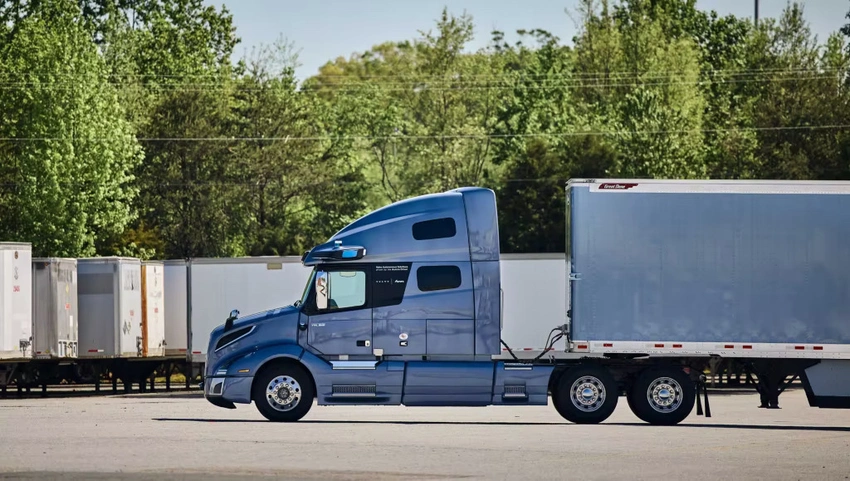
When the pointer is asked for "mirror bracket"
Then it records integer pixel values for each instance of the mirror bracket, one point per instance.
(228, 324)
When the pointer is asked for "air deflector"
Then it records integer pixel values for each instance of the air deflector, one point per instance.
(334, 252)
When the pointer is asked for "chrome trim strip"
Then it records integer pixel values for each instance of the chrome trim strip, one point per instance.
(337, 365)
(238, 338)
(514, 395)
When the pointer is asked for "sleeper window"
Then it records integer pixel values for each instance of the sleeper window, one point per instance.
(435, 278)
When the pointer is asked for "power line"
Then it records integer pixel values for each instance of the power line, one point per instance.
(414, 87)
(622, 74)
(436, 136)
(207, 184)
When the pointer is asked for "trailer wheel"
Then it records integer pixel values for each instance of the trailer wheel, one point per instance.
(662, 396)
(586, 394)
(283, 392)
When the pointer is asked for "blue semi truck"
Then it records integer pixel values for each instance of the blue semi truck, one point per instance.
(666, 277)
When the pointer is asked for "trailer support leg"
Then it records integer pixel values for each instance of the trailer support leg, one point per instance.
(168, 377)
(773, 379)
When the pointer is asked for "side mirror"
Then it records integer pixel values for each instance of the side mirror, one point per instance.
(322, 290)
(234, 314)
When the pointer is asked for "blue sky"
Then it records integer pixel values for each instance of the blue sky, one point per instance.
(322, 30)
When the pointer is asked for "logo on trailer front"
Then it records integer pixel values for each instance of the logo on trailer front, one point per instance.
(616, 186)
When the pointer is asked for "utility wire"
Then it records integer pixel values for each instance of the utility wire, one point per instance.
(435, 136)
(417, 88)
(505, 76)
(265, 184)
(449, 75)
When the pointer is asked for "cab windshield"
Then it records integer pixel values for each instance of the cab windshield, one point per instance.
(306, 289)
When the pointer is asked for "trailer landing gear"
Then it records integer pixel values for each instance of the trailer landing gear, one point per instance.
(773, 379)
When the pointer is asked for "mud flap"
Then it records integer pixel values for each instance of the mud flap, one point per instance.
(827, 384)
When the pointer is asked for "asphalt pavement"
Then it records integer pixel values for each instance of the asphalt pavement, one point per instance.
(181, 436)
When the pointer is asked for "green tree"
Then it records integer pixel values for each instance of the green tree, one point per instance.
(644, 83)
(298, 158)
(428, 108)
(164, 56)
(71, 153)
(190, 181)
(800, 99)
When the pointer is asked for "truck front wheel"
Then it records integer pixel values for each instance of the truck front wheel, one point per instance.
(283, 392)
(662, 396)
(586, 394)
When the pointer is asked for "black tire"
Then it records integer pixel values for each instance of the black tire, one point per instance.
(586, 394)
(295, 384)
(663, 396)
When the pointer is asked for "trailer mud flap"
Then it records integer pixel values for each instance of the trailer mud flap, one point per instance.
(827, 384)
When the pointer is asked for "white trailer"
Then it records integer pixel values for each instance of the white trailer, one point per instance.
(247, 284)
(220, 285)
(153, 309)
(55, 308)
(15, 299)
(110, 297)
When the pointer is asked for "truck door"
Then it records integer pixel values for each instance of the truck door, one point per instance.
(338, 310)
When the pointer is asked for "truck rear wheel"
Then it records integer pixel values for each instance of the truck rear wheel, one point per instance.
(283, 392)
(586, 394)
(662, 396)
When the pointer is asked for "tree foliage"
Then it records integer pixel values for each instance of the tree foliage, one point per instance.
(130, 128)
(69, 163)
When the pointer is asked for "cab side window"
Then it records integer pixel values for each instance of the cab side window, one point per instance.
(341, 289)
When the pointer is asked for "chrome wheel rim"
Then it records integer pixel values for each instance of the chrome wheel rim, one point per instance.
(588, 393)
(664, 395)
(283, 393)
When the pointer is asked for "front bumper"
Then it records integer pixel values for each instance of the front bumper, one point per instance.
(224, 391)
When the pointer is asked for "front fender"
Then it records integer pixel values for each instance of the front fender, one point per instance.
(234, 382)
(320, 371)
(252, 362)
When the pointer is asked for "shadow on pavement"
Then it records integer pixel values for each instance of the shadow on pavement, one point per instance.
(322, 421)
(765, 427)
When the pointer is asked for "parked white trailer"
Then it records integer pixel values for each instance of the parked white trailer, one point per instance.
(55, 307)
(220, 285)
(110, 297)
(174, 295)
(247, 284)
(153, 308)
(538, 280)
(15, 299)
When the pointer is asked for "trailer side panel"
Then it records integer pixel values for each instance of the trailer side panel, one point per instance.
(698, 265)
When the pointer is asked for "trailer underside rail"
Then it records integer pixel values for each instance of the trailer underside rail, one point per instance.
(82, 375)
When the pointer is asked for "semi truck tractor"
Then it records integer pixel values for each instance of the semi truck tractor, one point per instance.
(665, 277)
